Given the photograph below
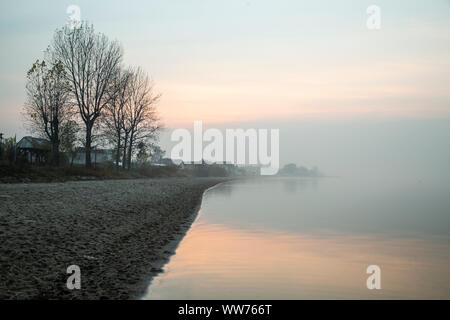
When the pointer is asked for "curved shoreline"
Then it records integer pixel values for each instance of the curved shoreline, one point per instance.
(169, 249)
(120, 233)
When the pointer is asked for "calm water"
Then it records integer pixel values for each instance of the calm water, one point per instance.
(293, 238)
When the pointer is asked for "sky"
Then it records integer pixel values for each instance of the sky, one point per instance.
(345, 98)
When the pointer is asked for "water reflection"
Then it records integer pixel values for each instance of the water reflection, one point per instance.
(256, 240)
(285, 266)
(292, 186)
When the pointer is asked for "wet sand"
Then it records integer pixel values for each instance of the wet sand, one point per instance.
(119, 233)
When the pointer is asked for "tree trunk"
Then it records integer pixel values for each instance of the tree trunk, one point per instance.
(118, 151)
(55, 150)
(88, 145)
(124, 158)
(56, 141)
(130, 151)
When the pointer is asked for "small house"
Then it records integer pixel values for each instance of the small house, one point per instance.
(33, 150)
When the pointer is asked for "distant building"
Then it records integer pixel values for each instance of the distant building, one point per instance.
(98, 156)
(166, 162)
(188, 165)
(33, 150)
(191, 165)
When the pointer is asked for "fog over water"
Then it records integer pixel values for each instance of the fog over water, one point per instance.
(386, 203)
(306, 238)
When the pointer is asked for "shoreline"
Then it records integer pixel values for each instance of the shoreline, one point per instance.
(172, 246)
(119, 232)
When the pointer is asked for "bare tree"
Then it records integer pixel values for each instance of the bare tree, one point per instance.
(91, 61)
(141, 119)
(113, 121)
(47, 109)
(69, 140)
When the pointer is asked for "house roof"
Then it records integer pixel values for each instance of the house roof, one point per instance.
(34, 143)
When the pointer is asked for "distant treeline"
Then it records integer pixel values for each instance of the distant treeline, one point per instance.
(292, 170)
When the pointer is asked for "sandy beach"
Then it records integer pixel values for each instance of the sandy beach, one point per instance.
(118, 232)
